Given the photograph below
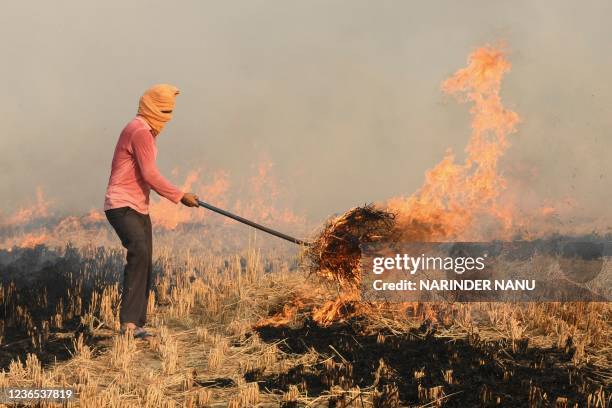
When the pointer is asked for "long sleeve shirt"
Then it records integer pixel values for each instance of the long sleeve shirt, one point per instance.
(134, 171)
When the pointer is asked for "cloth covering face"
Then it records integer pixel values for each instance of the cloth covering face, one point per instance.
(154, 101)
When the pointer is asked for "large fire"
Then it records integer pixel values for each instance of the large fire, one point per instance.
(168, 215)
(258, 200)
(39, 209)
(466, 200)
(33, 239)
(456, 201)
(261, 198)
(457, 195)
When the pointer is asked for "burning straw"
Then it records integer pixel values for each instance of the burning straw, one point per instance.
(336, 255)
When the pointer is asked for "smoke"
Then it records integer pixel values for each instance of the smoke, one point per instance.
(343, 97)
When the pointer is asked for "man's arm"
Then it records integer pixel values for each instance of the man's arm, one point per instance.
(144, 151)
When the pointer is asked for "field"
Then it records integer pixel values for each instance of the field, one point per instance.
(242, 320)
(253, 328)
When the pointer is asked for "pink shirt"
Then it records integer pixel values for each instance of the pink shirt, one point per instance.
(134, 172)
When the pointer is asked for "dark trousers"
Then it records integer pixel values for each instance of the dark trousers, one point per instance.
(134, 230)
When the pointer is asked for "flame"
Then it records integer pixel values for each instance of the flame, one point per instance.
(39, 209)
(263, 196)
(259, 201)
(347, 305)
(285, 317)
(169, 215)
(33, 239)
(94, 216)
(564, 206)
(454, 196)
(308, 301)
(344, 307)
(261, 192)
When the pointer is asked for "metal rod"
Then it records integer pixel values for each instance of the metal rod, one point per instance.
(252, 224)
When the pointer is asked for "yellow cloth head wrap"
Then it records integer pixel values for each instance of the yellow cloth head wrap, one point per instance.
(154, 101)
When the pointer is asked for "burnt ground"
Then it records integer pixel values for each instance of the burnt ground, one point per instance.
(58, 346)
(36, 280)
(483, 373)
(464, 372)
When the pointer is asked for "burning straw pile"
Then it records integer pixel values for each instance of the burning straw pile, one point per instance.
(335, 254)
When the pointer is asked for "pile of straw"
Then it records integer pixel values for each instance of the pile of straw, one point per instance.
(335, 254)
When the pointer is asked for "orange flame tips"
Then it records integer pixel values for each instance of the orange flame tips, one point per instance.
(32, 240)
(95, 216)
(455, 195)
(169, 215)
(37, 210)
(260, 199)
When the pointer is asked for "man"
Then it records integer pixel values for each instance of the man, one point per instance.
(133, 175)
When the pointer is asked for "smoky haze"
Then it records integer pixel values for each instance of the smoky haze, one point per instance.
(342, 96)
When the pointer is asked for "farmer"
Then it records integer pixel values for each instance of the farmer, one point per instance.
(133, 175)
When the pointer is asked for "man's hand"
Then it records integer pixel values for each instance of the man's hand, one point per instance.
(190, 200)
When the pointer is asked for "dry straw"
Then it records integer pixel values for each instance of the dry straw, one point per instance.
(336, 253)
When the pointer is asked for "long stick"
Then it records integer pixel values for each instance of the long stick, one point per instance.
(252, 224)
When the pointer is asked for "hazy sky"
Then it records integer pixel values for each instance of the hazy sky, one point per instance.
(343, 96)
